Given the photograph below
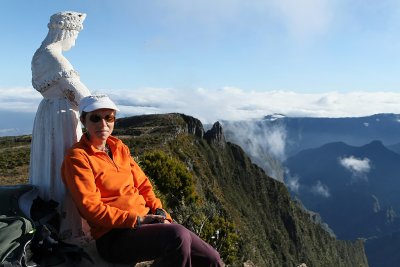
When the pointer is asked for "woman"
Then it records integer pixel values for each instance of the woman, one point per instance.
(116, 198)
(56, 127)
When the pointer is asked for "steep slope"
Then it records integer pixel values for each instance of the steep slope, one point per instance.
(273, 230)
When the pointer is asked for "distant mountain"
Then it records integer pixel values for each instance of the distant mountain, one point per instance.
(354, 189)
(349, 183)
(293, 134)
(395, 147)
(303, 133)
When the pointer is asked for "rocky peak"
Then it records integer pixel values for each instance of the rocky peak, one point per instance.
(194, 126)
(216, 135)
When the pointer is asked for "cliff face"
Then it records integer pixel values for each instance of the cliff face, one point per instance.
(273, 229)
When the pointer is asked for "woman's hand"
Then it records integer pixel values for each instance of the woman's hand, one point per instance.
(162, 213)
(149, 219)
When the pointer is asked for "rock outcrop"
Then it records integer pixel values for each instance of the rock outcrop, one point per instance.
(194, 126)
(216, 135)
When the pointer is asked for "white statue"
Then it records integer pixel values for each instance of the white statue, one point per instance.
(56, 127)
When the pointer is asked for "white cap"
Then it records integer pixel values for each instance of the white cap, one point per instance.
(93, 102)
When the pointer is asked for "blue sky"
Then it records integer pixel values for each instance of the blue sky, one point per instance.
(220, 59)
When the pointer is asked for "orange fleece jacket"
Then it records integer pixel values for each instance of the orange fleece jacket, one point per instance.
(109, 193)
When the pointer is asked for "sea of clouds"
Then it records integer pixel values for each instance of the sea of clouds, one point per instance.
(209, 105)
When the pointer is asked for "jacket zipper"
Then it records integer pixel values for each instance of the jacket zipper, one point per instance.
(110, 160)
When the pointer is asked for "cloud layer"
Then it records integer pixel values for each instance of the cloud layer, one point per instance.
(227, 103)
(231, 103)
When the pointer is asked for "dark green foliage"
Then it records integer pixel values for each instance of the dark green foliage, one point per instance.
(170, 176)
(222, 234)
(206, 220)
(176, 186)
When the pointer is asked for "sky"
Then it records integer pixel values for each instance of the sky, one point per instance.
(214, 60)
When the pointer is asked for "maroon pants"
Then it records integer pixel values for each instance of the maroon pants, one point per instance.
(170, 244)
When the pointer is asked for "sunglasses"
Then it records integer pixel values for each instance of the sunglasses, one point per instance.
(96, 118)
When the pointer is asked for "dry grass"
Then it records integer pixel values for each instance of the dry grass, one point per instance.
(18, 175)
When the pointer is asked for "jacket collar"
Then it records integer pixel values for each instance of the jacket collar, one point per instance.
(112, 141)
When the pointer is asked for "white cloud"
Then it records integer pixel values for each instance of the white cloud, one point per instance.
(259, 138)
(237, 104)
(320, 189)
(276, 141)
(293, 184)
(227, 103)
(19, 99)
(358, 167)
(265, 144)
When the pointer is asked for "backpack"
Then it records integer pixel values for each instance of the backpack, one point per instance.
(15, 234)
(29, 231)
(47, 247)
(16, 229)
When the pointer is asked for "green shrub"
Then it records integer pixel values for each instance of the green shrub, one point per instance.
(222, 235)
(205, 220)
(174, 184)
(170, 177)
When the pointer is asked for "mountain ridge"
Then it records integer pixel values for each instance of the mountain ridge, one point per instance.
(276, 230)
(299, 133)
(272, 229)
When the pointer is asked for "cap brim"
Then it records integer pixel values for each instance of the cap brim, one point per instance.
(96, 106)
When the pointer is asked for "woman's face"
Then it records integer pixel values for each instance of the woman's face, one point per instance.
(99, 124)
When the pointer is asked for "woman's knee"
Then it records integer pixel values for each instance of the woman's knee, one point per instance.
(215, 260)
(179, 236)
(211, 258)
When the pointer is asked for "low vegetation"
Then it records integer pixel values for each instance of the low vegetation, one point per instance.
(14, 159)
(176, 187)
